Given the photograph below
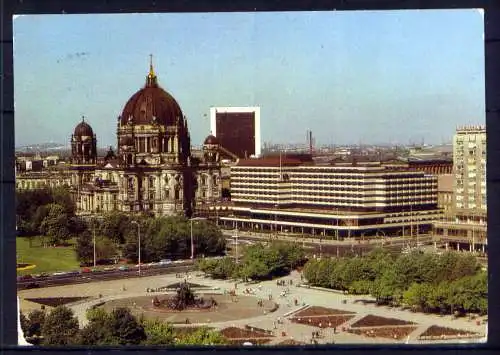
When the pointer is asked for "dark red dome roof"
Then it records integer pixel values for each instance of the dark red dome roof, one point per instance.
(83, 129)
(152, 101)
(211, 139)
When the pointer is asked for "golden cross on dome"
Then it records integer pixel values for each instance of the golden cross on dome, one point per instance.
(151, 70)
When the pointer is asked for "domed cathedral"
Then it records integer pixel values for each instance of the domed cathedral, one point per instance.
(153, 169)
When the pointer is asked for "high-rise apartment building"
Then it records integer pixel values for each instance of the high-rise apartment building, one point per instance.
(237, 129)
(466, 226)
(469, 160)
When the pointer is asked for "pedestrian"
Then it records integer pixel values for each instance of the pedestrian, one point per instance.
(334, 330)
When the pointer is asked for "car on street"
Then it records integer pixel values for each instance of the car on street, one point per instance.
(123, 268)
(165, 262)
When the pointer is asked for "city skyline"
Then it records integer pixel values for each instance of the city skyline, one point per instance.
(420, 73)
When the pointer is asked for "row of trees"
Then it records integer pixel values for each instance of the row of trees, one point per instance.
(161, 238)
(119, 327)
(259, 262)
(445, 283)
(50, 214)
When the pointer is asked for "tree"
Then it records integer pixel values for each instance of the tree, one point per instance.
(38, 217)
(115, 225)
(60, 327)
(28, 203)
(310, 271)
(388, 288)
(55, 224)
(25, 323)
(62, 197)
(208, 238)
(218, 268)
(158, 333)
(202, 336)
(417, 295)
(77, 226)
(98, 330)
(85, 248)
(105, 248)
(32, 326)
(125, 328)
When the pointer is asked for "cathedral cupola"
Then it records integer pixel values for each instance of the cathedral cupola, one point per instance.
(83, 144)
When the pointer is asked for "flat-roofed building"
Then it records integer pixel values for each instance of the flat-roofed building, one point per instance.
(339, 200)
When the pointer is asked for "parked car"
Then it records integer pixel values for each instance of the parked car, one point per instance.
(59, 273)
(123, 268)
(86, 269)
(165, 262)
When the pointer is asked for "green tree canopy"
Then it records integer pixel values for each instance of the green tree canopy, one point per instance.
(55, 225)
(60, 327)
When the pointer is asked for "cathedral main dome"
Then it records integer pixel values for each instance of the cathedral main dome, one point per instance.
(152, 105)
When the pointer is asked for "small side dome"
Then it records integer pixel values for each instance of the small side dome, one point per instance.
(83, 129)
(211, 139)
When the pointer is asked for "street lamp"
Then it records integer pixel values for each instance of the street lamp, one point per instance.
(192, 240)
(139, 241)
(94, 240)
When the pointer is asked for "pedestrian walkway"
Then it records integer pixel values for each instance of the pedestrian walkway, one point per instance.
(116, 289)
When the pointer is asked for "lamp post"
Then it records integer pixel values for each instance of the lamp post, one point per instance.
(139, 242)
(94, 240)
(192, 240)
(237, 254)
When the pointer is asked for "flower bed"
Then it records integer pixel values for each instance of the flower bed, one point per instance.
(397, 333)
(436, 331)
(325, 321)
(320, 311)
(376, 321)
(291, 342)
(238, 333)
(56, 301)
(264, 331)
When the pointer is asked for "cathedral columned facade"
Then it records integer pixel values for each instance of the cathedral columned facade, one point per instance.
(153, 169)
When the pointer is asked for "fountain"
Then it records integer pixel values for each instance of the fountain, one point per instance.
(184, 299)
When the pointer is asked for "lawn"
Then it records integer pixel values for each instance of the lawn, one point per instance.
(46, 259)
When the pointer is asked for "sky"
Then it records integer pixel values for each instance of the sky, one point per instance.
(351, 77)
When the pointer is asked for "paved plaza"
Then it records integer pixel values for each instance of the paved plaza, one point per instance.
(278, 321)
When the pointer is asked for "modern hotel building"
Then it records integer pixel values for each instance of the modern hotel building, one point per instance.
(290, 195)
